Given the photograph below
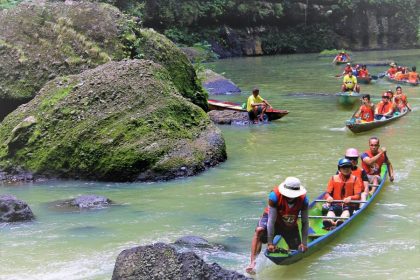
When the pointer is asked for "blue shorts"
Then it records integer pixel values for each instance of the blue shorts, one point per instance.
(290, 235)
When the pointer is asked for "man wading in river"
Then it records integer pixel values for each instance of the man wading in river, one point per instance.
(285, 202)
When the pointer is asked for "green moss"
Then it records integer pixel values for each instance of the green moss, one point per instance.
(123, 120)
(58, 95)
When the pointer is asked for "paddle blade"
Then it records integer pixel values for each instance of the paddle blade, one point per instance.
(374, 77)
(381, 75)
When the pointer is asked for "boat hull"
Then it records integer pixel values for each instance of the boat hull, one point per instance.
(319, 237)
(364, 80)
(402, 82)
(272, 114)
(361, 127)
(348, 98)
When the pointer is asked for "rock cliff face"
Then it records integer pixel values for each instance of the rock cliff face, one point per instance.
(236, 28)
(43, 40)
(122, 121)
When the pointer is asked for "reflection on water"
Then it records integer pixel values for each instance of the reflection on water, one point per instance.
(224, 203)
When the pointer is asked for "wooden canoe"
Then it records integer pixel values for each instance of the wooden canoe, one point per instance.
(348, 98)
(361, 127)
(364, 80)
(318, 236)
(272, 114)
(403, 82)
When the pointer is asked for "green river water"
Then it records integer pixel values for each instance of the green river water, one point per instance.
(224, 203)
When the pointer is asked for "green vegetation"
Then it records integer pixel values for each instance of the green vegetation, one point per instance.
(188, 22)
(7, 4)
(333, 52)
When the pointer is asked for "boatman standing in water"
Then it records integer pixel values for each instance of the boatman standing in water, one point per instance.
(256, 106)
(285, 203)
(372, 161)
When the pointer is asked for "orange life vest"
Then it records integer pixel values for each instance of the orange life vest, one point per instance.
(384, 108)
(400, 101)
(412, 77)
(357, 172)
(287, 216)
(374, 168)
(340, 188)
(366, 113)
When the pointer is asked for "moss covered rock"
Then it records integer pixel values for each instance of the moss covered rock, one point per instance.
(39, 42)
(122, 121)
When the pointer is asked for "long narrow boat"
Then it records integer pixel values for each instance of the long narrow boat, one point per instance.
(348, 98)
(272, 114)
(403, 82)
(360, 127)
(364, 80)
(318, 236)
(342, 62)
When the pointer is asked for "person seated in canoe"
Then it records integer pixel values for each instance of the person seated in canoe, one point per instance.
(366, 111)
(392, 70)
(400, 100)
(413, 76)
(256, 106)
(402, 73)
(341, 57)
(342, 188)
(363, 72)
(385, 108)
(347, 69)
(350, 83)
(280, 217)
(356, 70)
(352, 154)
(372, 160)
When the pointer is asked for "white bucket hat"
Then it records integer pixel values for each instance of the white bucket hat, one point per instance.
(291, 187)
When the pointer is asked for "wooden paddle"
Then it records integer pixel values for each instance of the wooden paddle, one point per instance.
(325, 217)
(351, 201)
(381, 75)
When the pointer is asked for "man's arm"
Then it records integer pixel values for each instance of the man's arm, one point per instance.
(371, 160)
(305, 226)
(272, 217)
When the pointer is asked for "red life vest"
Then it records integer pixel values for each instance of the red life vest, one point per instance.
(366, 113)
(374, 168)
(363, 73)
(287, 216)
(348, 69)
(384, 108)
(392, 71)
(340, 189)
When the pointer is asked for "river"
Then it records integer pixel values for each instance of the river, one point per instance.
(224, 203)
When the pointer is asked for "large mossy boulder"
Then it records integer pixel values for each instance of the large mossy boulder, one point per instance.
(122, 121)
(41, 41)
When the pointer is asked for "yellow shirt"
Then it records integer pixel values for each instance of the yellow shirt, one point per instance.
(350, 82)
(253, 99)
